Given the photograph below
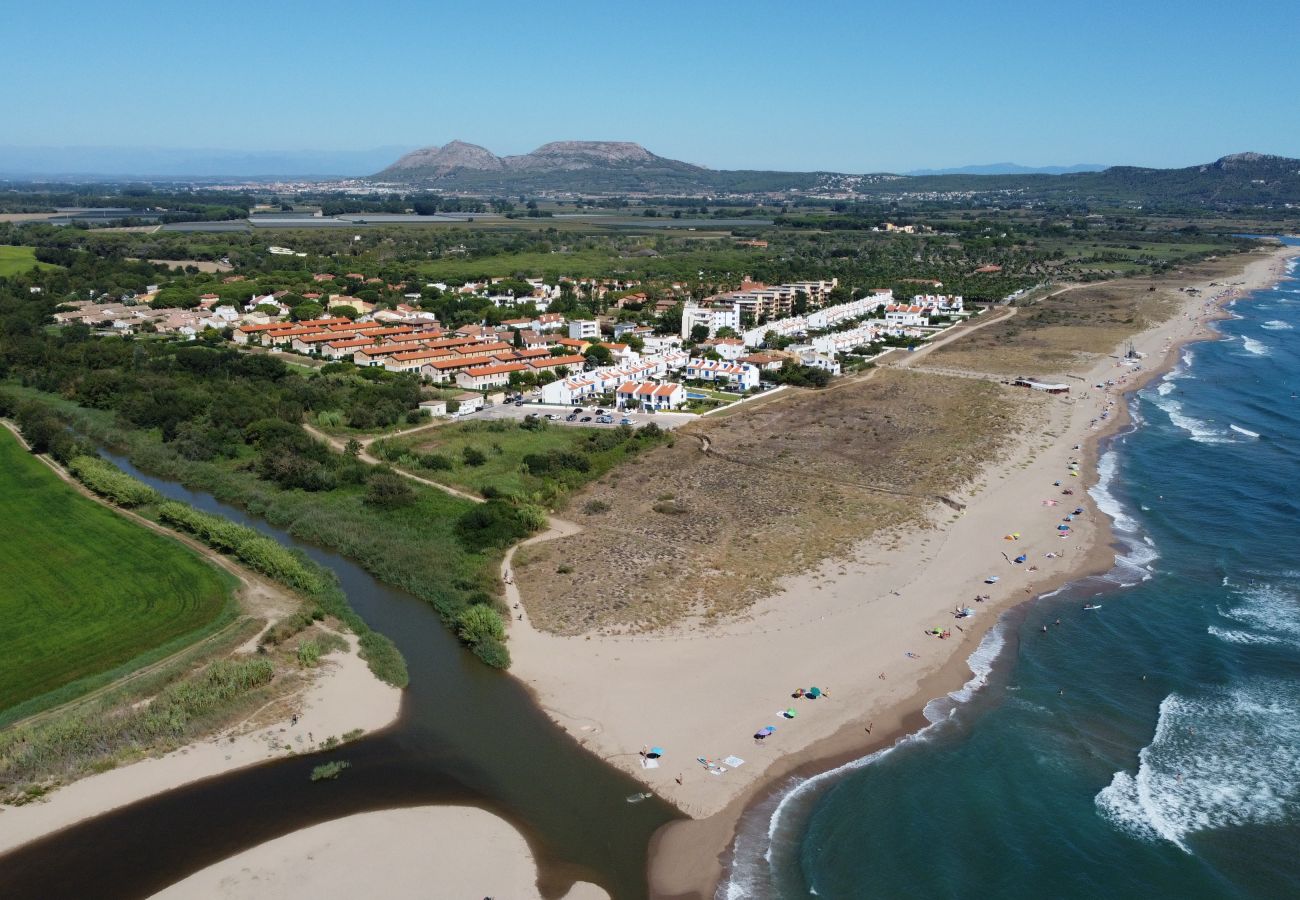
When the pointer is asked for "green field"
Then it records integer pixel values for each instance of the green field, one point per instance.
(16, 260)
(504, 445)
(88, 595)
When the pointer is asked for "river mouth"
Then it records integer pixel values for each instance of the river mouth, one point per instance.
(467, 735)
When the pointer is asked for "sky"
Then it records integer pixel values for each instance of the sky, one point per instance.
(851, 87)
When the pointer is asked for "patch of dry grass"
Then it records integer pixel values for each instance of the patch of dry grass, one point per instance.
(679, 532)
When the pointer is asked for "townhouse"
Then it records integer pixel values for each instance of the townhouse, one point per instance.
(490, 376)
(745, 376)
(644, 395)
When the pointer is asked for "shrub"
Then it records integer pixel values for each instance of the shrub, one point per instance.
(478, 623)
(498, 523)
(388, 490)
(473, 456)
(109, 481)
(435, 462)
(595, 507)
(309, 654)
(330, 770)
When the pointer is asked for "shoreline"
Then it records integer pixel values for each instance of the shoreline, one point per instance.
(702, 693)
(342, 696)
(707, 845)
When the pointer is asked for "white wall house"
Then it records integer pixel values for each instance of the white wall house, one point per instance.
(584, 329)
(742, 374)
(650, 395)
(906, 316)
(712, 317)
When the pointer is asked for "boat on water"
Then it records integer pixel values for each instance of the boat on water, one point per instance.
(1090, 606)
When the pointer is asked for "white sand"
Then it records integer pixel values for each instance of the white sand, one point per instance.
(704, 692)
(344, 696)
(422, 852)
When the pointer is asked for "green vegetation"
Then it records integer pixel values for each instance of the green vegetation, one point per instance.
(532, 460)
(330, 770)
(14, 260)
(89, 596)
(109, 481)
(90, 739)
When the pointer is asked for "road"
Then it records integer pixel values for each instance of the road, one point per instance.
(666, 420)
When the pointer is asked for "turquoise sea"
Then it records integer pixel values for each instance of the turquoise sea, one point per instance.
(1147, 749)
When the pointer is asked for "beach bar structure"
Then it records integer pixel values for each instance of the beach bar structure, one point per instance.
(1044, 386)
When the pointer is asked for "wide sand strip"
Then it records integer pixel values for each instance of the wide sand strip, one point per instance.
(344, 696)
(422, 852)
(855, 626)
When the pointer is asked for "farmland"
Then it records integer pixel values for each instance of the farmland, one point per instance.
(89, 596)
(15, 260)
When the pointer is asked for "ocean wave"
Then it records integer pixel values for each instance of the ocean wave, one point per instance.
(1201, 432)
(1165, 389)
(1270, 612)
(1107, 469)
(1254, 346)
(1277, 325)
(756, 847)
(1219, 760)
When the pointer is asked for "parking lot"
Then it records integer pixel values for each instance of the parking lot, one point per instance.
(667, 420)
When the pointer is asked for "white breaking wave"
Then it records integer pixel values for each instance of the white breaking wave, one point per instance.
(1246, 431)
(1277, 325)
(1254, 346)
(1165, 389)
(1269, 612)
(1220, 760)
(752, 859)
(1201, 432)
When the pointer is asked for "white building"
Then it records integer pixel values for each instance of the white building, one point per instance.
(584, 330)
(907, 316)
(650, 395)
(711, 317)
(742, 374)
(729, 349)
(816, 360)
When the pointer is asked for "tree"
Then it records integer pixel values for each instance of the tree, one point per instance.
(352, 448)
(348, 312)
(518, 340)
(726, 331)
(598, 355)
(699, 333)
(305, 311)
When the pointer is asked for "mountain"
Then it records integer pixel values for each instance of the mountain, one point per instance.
(1010, 169)
(168, 162)
(561, 165)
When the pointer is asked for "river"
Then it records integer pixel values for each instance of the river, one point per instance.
(467, 735)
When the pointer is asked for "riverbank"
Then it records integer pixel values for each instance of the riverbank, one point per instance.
(855, 626)
(343, 697)
(447, 851)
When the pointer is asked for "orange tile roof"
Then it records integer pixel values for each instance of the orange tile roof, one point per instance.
(499, 369)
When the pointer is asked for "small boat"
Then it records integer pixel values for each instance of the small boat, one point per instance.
(1092, 606)
(637, 798)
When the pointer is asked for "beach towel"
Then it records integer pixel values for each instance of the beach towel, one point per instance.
(734, 761)
(716, 770)
(649, 763)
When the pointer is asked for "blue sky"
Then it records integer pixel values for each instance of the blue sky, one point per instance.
(866, 86)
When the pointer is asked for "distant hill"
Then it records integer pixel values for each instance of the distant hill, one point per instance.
(604, 167)
(1010, 169)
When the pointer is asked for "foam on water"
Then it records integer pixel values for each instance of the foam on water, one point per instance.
(1254, 346)
(1221, 759)
(1269, 612)
(1277, 325)
(1201, 432)
(1246, 431)
(1165, 389)
(752, 860)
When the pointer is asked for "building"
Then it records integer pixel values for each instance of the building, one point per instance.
(469, 403)
(711, 317)
(758, 300)
(729, 349)
(434, 407)
(584, 330)
(649, 395)
(570, 391)
(490, 376)
(907, 316)
(815, 360)
(746, 376)
(549, 363)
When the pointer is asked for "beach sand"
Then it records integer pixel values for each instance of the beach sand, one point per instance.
(343, 696)
(847, 627)
(424, 851)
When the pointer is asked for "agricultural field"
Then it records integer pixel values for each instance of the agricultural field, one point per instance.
(505, 457)
(16, 260)
(89, 596)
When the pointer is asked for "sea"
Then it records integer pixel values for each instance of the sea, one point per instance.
(1146, 749)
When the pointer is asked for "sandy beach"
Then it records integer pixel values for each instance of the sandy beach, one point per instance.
(425, 851)
(855, 627)
(344, 696)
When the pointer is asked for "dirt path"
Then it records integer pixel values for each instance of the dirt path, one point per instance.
(340, 445)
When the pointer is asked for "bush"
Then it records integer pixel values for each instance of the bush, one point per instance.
(478, 623)
(595, 507)
(388, 490)
(330, 770)
(556, 461)
(109, 481)
(473, 456)
(435, 462)
(498, 524)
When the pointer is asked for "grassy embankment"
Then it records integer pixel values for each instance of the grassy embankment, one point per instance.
(541, 463)
(89, 596)
(16, 260)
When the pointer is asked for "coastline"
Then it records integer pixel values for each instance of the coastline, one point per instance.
(686, 857)
(342, 696)
(464, 851)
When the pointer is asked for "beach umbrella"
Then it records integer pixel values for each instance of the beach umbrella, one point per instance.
(814, 692)
(789, 713)
(655, 752)
(1021, 558)
(1062, 527)
(967, 611)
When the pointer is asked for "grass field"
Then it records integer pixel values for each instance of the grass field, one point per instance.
(88, 595)
(505, 444)
(16, 260)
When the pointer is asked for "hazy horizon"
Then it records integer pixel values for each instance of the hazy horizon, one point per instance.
(846, 87)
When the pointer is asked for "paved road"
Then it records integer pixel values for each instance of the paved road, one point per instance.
(510, 411)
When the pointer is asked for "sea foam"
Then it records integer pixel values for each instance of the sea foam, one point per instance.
(1254, 346)
(1218, 760)
(1200, 431)
(1277, 325)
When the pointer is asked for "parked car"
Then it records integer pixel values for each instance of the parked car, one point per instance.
(600, 412)
(571, 417)
(585, 419)
(625, 421)
(553, 417)
(605, 420)
(519, 403)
